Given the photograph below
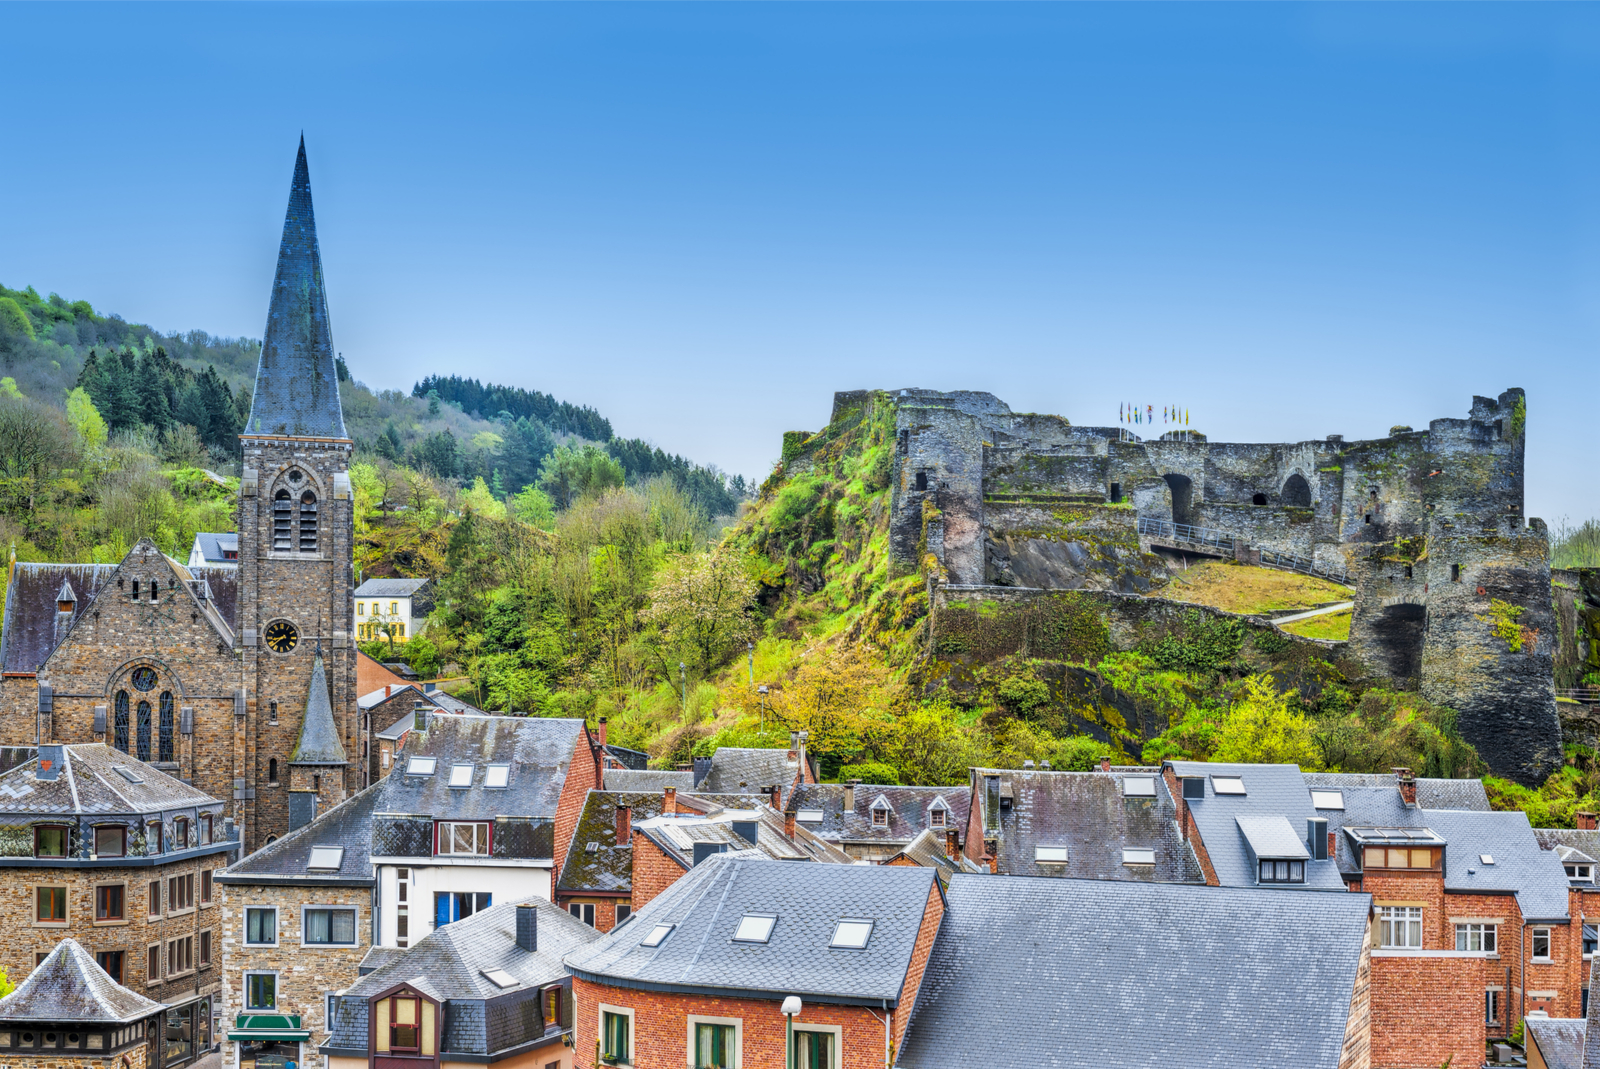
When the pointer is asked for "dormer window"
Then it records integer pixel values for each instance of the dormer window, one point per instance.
(65, 606)
(880, 818)
(1273, 871)
(936, 817)
(1580, 873)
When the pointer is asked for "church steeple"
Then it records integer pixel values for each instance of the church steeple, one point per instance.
(297, 387)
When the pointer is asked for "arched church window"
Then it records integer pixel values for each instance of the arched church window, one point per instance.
(308, 522)
(143, 728)
(164, 749)
(120, 725)
(282, 523)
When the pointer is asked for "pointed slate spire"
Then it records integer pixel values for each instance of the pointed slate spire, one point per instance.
(297, 388)
(319, 735)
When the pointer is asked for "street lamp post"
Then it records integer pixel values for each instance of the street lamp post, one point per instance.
(791, 1010)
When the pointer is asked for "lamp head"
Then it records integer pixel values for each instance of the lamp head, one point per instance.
(791, 1006)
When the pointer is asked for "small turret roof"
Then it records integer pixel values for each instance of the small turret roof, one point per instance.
(68, 988)
(319, 735)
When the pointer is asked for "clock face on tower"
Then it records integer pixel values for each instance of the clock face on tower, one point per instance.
(282, 636)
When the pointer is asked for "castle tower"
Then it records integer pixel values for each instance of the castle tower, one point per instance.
(296, 536)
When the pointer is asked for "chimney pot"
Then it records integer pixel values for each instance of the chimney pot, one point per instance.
(1408, 785)
(624, 825)
(602, 731)
(528, 927)
(388, 689)
(776, 793)
(1105, 764)
(1585, 820)
(952, 845)
(670, 805)
(788, 823)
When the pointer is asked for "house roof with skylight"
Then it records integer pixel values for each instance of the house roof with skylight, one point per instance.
(607, 866)
(447, 772)
(1048, 823)
(1227, 799)
(742, 925)
(908, 811)
(1067, 979)
(334, 850)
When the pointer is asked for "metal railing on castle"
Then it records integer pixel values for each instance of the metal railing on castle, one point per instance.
(1221, 541)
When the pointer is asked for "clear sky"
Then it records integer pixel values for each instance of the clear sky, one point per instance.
(1293, 220)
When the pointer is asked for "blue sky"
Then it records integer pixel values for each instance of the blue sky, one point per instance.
(1294, 220)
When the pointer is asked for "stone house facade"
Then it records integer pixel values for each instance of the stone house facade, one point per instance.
(122, 858)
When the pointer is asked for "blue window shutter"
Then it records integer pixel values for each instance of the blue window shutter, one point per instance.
(441, 909)
(488, 900)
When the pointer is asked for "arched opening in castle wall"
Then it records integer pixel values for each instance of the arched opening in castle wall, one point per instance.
(1398, 632)
(1182, 497)
(1296, 491)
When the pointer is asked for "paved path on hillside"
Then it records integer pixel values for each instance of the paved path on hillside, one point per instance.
(1343, 606)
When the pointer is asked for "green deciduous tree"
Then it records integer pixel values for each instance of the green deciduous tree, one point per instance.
(1261, 728)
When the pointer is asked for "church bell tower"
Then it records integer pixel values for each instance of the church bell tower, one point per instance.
(296, 537)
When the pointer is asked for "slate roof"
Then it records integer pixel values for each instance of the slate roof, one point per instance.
(908, 811)
(735, 769)
(222, 584)
(319, 736)
(212, 544)
(449, 964)
(1064, 979)
(451, 704)
(1560, 1040)
(676, 835)
(609, 867)
(390, 588)
(348, 824)
(28, 632)
(538, 749)
(627, 779)
(67, 987)
(297, 388)
(1585, 841)
(1431, 793)
(1087, 813)
(1270, 789)
(707, 904)
(928, 850)
(90, 785)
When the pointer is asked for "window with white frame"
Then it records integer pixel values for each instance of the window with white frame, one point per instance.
(1582, 873)
(616, 1035)
(464, 839)
(261, 926)
(1400, 927)
(1474, 936)
(714, 1042)
(1539, 939)
(329, 926)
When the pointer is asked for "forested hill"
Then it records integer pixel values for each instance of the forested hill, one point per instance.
(488, 402)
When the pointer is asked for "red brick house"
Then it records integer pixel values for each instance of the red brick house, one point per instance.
(703, 975)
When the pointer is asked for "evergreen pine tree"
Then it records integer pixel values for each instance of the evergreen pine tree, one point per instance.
(192, 410)
(120, 405)
(150, 390)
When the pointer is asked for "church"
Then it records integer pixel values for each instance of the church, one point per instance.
(252, 699)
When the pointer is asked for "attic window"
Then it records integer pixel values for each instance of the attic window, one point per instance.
(852, 935)
(500, 978)
(1227, 784)
(880, 818)
(1581, 873)
(1139, 787)
(1327, 799)
(936, 817)
(497, 776)
(326, 857)
(1050, 855)
(755, 928)
(657, 934)
(461, 775)
(1137, 856)
(421, 766)
(592, 846)
(1487, 859)
(809, 816)
(127, 774)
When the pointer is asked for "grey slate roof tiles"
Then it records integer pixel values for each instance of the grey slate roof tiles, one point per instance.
(1089, 815)
(89, 784)
(908, 811)
(1560, 1040)
(627, 779)
(29, 631)
(538, 749)
(390, 588)
(1431, 793)
(707, 904)
(1269, 790)
(297, 388)
(214, 544)
(609, 867)
(734, 769)
(69, 988)
(348, 824)
(1032, 972)
(319, 735)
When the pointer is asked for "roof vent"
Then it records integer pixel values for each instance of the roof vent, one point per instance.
(705, 850)
(527, 927)
(50, 758)
(747, 830)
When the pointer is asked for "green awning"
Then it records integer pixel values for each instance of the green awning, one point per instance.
(254, 1027)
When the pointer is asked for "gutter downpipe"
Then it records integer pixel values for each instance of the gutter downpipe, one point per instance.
(1522, 975)
(887, 1018)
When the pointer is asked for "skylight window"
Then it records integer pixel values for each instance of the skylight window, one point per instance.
(1227, 784)
(1050, 854)
(852, 935)
(657, 934)
(1327, 799)
(500, 978)
(461, 775)
(755, 928)
(326, 857)
(1139, 787)
(421, 766)
(497, 776)
(809, 816)
(127, 774)
(1487, 859)
(1137, 856)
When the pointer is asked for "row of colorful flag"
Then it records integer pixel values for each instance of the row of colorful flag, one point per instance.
(1172, 414)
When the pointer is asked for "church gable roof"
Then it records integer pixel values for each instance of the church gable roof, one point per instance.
(28, 634)
(297, 387)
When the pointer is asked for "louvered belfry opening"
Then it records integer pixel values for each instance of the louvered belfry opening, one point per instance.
(308, 522)
(282, 534)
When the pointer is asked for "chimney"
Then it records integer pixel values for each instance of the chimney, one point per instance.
(747, 830)
(800, 753)
(1333, 844)
(528, 927)
(788, 821)
(952, 846)
(850, 796)
(776, 793)
(994, 864)
(1408, 785)
(624, 825)
(388, 689)
(1584, 820)
(670, 805)
(602, 731)
(50, 757)
(1105, 764)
